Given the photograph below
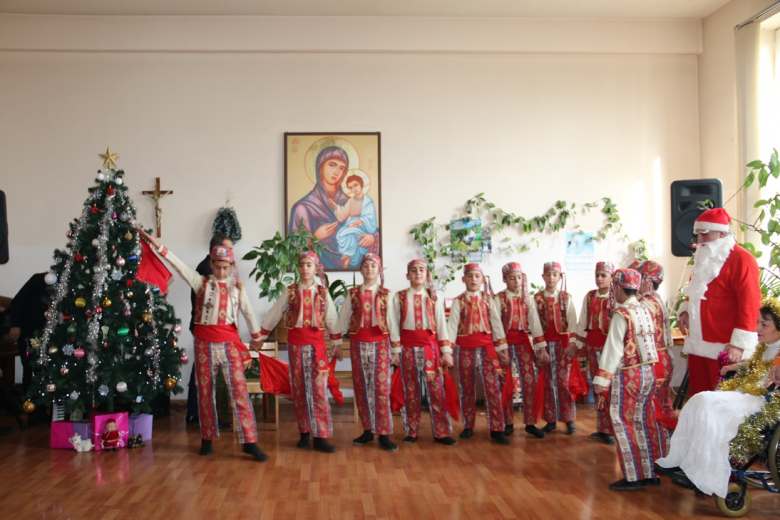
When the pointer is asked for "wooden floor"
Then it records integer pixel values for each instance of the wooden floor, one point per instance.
(558, 477)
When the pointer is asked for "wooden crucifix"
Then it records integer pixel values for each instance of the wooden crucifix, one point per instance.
(156, 195)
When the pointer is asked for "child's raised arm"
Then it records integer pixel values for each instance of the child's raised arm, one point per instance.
(192, 277)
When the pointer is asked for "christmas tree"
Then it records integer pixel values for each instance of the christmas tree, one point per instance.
(110, 340)
(226, 224)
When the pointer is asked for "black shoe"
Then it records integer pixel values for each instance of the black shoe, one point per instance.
(467, 433)
(386, 444)
(192, 419)
(499, 438)
(602, 437)
(205, 447)
(533, 430)
(624, 485)
(550, 426)
(682, 480)
(509, 429)
(364, 439)
(655, 481)
(410, 438)
(666, 471)
(321, 444)
(570, 428)
(254, 450)
(447, 441)
(303, 443)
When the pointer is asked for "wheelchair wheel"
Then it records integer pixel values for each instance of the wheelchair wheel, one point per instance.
(736, 503)
(773, 457)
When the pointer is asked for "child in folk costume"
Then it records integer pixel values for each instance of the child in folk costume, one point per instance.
(559, 322)
(520, 321)
(592, 332)
(220, 298)
(364, 318)
(652, 276)
(475, 326)
(626, 363)
(310, 313)
(418, 333)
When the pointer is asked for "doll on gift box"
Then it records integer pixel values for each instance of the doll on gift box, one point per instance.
(110, 438)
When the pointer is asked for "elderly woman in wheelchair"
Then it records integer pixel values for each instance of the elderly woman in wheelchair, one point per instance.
(700, 452)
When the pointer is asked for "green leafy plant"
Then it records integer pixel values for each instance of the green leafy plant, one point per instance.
(436, 245)
(276, 261)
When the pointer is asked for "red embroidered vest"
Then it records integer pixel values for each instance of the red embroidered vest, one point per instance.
(403, 299)
(552, 313)
(474, 317)
(359, 307)
(599, 312)
(317, 307)
(514, 312)
(655, 307)
(631, 354)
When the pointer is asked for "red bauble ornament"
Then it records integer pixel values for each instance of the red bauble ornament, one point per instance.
(94, 210)
(110, 190)
(129, 282)
(78, 257)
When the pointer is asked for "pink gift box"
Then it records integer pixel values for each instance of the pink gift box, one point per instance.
(102, 422)
(141, 424)
(62, 431)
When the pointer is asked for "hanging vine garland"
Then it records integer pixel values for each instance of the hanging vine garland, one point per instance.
(435, 241)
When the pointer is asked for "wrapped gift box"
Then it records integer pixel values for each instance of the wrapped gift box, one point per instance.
(100, 424)
(62, 431)
(141, 423)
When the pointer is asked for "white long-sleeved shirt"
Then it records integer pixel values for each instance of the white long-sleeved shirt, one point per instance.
(534, 324)
(281, 305)
(394, 318)
(611, 359)
(209, 314)
(499, 338)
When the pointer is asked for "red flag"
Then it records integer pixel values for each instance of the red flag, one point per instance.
(151, 270)
(274, 376)
(538, 404)
(396, 391)
(508, 390)
(333, 383)
(451, 396)
(578, 385)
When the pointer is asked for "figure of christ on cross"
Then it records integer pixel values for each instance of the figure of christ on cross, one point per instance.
(156, 195)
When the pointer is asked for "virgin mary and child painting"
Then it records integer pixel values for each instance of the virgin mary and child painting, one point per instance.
(332, 189)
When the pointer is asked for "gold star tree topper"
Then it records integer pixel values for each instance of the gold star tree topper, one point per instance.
(109, 158)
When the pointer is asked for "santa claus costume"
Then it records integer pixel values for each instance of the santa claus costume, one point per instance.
(524, 335)
(218, 346)
(310, 312)
(626, 363)
(559, 322)
(475, 326)
(363, 317)
(597, 307)
(723, 301)
(418, 334)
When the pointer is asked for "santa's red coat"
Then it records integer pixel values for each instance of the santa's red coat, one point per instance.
(729, 310)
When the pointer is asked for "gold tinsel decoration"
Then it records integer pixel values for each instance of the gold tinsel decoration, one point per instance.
(750, 377)
(751, 436)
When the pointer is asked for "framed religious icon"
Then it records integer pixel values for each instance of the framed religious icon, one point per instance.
(332, 184)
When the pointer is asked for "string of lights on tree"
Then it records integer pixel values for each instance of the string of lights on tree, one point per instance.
(110, 340)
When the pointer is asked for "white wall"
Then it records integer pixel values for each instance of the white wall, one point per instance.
(525, 128)
(718, 96)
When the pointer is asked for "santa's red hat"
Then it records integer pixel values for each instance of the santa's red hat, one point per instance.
(715, 219)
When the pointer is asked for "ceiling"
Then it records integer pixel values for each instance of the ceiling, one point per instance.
(455, 8)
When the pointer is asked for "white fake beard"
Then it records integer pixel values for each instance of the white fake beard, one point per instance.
(708, 261)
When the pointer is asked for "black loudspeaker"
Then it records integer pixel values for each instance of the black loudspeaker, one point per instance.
(686, 199)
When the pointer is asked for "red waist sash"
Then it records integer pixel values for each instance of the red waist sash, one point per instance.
(425, 339)
(222, 334)
(301, 336)
(595, 338)
(369, 335)
(518, 337)
(479, 340)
